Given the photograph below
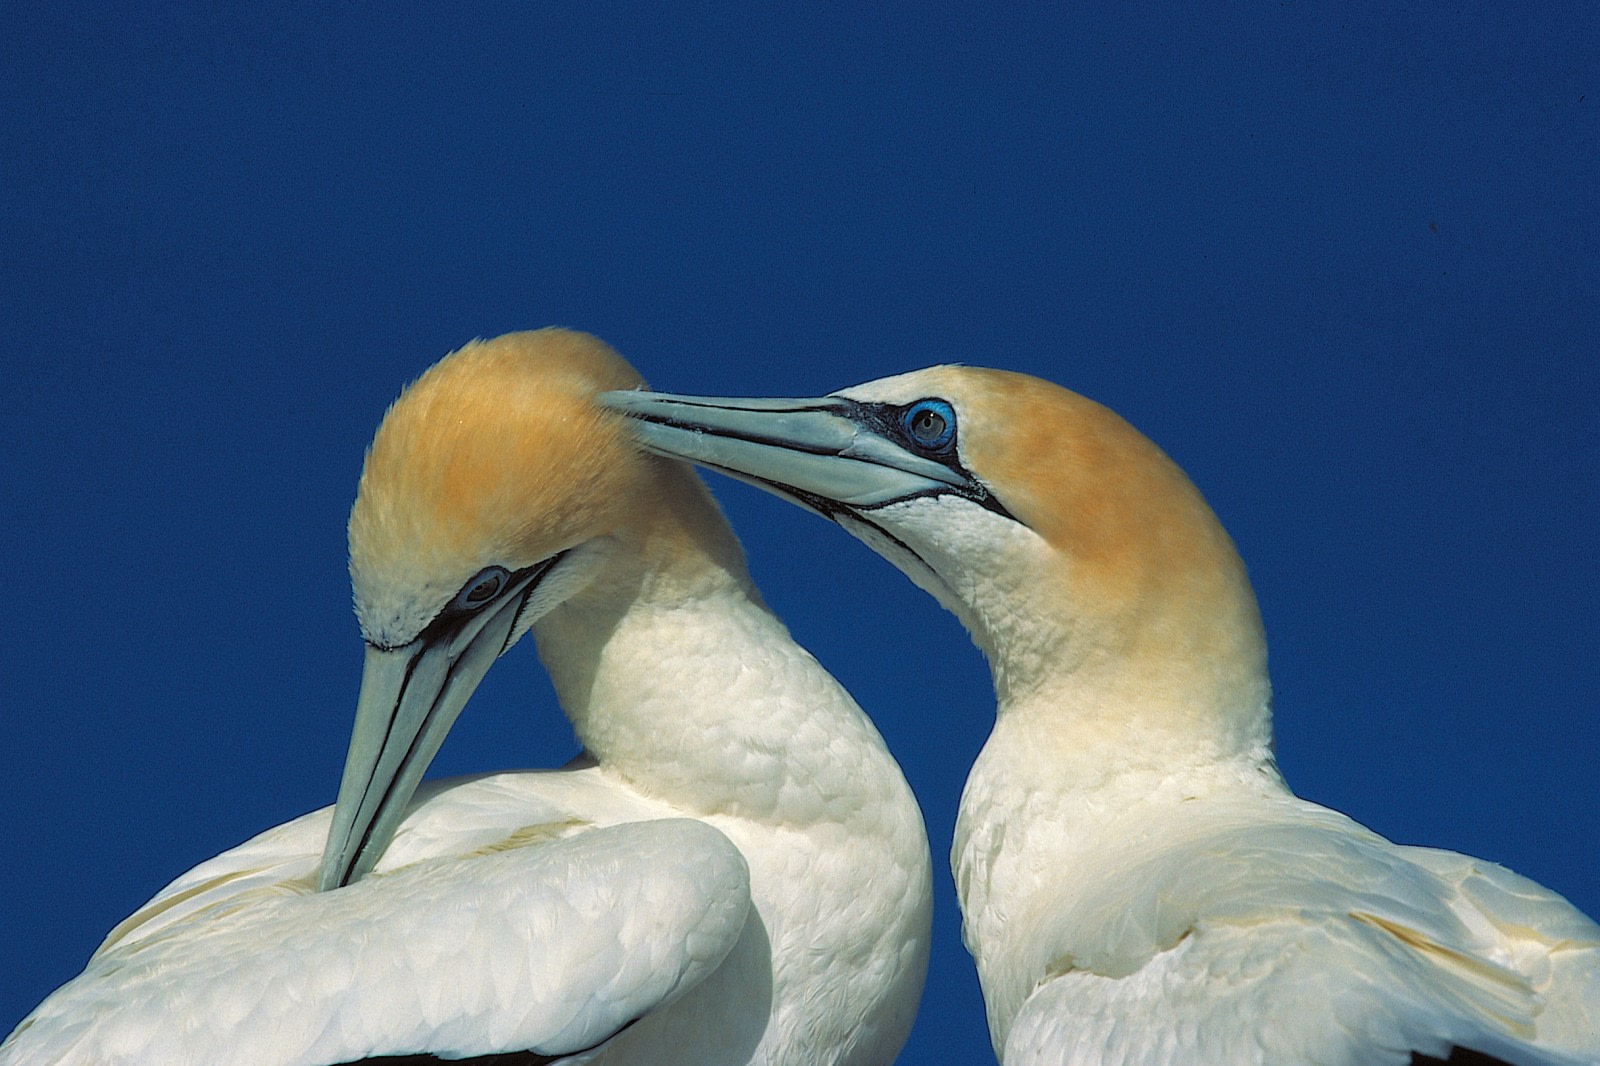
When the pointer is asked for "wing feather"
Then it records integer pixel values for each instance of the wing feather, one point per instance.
(1302, 937)
(551, 944)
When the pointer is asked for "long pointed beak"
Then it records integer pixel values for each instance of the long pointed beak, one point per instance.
(828, 454)
(410, 697)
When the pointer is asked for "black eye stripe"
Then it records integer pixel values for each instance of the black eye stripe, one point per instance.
(894, 420)
(494, 581)
(887, 420)
(480, 590)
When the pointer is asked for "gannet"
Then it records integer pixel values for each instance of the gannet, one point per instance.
(735, 871)
(1137, 882)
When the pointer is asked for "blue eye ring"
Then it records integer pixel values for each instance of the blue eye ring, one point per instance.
(930, 424)
(480, 589)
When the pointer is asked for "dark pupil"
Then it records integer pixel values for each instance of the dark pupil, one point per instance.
(927, 425)
(483, 590)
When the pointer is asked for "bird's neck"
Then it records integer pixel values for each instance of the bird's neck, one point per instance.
(677, 678)
(1110, 661)
(1094, 714)
(1148, 693)
(1105, 690)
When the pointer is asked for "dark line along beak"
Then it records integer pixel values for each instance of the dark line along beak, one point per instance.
(830, 454)
(410, 697)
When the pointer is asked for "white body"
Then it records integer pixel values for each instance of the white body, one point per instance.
(475, 934)
(1138, 885)
(736, 872)
(1206, 915)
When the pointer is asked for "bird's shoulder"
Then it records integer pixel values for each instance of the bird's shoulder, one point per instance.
(1223, 923)
(1285, 992)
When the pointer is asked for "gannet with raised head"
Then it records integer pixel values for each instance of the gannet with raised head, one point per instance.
(1137, 883)
(735, 872)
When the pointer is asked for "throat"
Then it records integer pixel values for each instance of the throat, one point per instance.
(1090, 737)
(694, 693)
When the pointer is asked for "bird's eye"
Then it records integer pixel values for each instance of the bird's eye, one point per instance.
(480, 589)
(930, 423)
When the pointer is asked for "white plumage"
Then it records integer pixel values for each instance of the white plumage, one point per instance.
(1137, 882)
(623, 920)
(735, 872)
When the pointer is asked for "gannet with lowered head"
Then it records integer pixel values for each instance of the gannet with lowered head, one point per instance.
(735, 872)
(1137, 882)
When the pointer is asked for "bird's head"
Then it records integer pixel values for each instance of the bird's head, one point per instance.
(493, 491)
(486, 468)
(1067, 542)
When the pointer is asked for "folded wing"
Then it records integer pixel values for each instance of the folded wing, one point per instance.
(433, 957)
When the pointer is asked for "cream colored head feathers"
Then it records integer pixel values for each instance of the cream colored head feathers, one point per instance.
(496, 455)
(1096, 489)
(1134, 574)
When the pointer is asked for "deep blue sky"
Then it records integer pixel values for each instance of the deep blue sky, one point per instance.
(1341, 263)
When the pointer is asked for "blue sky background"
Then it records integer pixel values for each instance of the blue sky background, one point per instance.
(1340, 261)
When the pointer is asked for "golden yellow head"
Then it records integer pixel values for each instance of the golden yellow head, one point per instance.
(1130, 568)
(1080, 476)
(495, 456)
(1098, 491)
